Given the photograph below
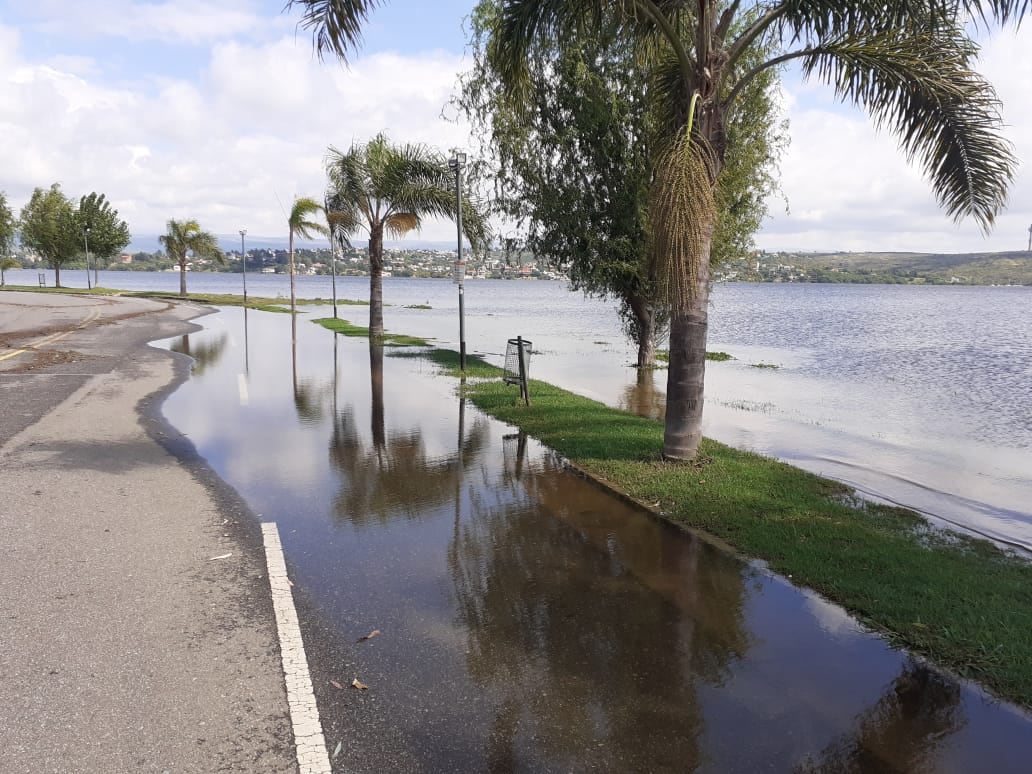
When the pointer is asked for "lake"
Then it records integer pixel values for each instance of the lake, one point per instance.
(920, 395)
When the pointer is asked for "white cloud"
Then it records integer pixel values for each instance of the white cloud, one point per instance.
(231, 148)
(235, 135)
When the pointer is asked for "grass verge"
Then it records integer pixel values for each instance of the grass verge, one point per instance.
(388, 339)
(960, 601)
(261, 303)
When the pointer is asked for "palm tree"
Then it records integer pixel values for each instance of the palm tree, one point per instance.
(908, 65)
(383, 188)
(185, 237)
(299, 224)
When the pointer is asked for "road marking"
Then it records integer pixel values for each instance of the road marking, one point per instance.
(304, 714)
(92, 315)
(242, 389)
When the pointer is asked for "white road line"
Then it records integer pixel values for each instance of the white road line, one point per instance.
(304, 714)
(242, 388)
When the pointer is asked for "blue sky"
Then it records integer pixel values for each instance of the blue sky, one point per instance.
(220, 111)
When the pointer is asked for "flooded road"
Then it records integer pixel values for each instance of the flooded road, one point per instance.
(528, 620)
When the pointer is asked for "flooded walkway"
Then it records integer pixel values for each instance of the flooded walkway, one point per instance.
(527, 620)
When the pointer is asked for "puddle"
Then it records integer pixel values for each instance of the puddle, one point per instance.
(529, 621)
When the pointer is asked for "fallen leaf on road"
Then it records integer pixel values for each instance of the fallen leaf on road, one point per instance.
(336, 685)
(220, 556)
(360, 686)
(373, 633)
(336, 750)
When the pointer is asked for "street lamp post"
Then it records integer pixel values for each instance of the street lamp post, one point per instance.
(456, 163)
(243, 261)
(86, 242)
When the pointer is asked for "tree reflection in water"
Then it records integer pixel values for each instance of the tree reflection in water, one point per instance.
(206, 352)
(590, 628)
(390, 474)
(919, 711)
(643, 397)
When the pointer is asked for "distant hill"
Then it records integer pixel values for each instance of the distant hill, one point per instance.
(1006, 268)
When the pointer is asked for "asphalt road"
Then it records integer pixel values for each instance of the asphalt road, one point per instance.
(126, 645)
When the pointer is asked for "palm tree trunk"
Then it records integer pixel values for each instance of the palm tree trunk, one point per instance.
(687, 373)
(290, 263)
(376, 283)
(182, 277)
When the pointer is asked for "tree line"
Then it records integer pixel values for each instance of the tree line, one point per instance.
(60, 230)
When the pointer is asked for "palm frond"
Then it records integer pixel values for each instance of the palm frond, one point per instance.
(299, 221)
(336, 25)
(920, 86)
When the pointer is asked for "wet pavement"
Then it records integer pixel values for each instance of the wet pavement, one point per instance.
(530, 621)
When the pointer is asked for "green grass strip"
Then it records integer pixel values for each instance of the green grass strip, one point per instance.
(958, 600)
(388, 339)
(262, 303)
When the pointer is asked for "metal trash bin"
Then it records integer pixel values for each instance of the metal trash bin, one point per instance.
(517, 365)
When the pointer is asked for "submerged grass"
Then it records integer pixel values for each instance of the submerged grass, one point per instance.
(663, 356)
(958, 600)
(389, 339)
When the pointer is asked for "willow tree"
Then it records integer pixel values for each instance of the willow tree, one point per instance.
(570, 162)
(909, 65)
(381, 189)
(185, 238)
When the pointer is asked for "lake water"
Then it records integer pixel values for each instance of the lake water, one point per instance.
(917, 395)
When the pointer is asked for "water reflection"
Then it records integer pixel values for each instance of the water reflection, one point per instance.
(902, 732)
(205, 351)
(392, 474)
(530, 621)
(644, 397)
(558, 579)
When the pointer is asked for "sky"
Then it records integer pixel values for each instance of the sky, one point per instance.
(222, 112)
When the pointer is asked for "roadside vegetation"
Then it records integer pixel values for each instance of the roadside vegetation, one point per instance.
(960, 601)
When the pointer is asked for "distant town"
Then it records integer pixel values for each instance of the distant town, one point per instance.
(1009, 268)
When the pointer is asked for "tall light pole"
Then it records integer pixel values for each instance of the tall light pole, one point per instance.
(456, 163)
(243, 261)
(86, 242)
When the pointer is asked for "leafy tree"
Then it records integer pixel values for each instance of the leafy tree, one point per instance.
(299, 224)
(48, 226)
(909, 65)
(184, 238)
(6, 263)
(573, 164)
(8, 227)
(108, 234)
(382, 188)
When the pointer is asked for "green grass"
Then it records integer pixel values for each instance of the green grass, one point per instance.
(960, 601)
(261, 303)
(663, 356)
(389, 339)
